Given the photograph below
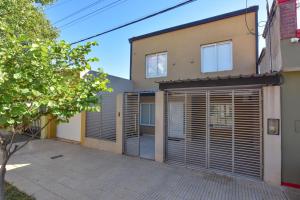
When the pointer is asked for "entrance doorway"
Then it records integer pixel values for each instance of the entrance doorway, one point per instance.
(139, 125)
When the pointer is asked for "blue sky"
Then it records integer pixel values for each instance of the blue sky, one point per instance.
(114, 49)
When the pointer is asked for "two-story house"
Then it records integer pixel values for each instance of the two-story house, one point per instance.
(199, 102)
(282, 54)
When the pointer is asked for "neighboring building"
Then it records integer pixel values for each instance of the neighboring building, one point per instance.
(100, 127)
(282, 54)
(102, 124)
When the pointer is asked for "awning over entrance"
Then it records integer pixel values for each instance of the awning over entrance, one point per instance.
(242, 80)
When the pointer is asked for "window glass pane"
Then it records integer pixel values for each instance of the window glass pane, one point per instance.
(151, 65)
(162, 64)
(145, 114)
(209, 59)
(152, 114)
(224, 56)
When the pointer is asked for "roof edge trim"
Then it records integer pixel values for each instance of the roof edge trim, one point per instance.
(197, 23)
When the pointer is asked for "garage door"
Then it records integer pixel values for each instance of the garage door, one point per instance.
(215, 129)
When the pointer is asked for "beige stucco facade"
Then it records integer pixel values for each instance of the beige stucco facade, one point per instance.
(184, 50)
(272, 143)
(159, 126)
(183, 47)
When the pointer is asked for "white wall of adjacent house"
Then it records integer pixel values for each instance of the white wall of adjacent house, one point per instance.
(272, 143)
(71, 130)
(298, 14)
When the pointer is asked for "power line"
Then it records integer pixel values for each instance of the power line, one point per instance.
(79, 11)
(267, 26)
(102, 9)
(136, 21)
(246, 21)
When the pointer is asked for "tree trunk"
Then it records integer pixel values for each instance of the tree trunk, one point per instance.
(2, 175)
(2, 183)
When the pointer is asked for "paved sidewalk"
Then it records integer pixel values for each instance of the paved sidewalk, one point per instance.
(86, 174)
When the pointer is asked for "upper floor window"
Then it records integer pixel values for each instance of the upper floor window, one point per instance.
(156, 65)
(298, 14)
(216, 57)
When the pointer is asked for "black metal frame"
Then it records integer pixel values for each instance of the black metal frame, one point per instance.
(271, 79)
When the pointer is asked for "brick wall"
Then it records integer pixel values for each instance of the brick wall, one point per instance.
(288, 18)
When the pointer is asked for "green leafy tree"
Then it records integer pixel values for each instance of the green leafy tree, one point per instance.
(39, 76)
(27, 17)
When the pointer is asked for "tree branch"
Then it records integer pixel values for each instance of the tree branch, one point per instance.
(11, 139)
(17, 147)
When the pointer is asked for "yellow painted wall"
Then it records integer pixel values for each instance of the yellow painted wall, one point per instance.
(183, 47)
(49, 131)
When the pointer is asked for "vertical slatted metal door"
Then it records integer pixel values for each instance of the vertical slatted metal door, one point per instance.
(108, 117)
(102, 124)
(93, 125)
(216, 129)
(131, 124)
(175, 123)
(248, 133)
(196, 129)
(220, 131)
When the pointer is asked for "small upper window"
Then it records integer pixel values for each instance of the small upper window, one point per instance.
(298, 14)
(156, 65)
(216, 57)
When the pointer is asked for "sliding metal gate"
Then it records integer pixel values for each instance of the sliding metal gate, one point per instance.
(131, 124)
(215, 129)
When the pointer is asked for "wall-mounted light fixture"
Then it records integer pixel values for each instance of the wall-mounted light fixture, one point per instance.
(273, 126)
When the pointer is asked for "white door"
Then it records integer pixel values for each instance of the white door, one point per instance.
(71, 130)
(176, 117)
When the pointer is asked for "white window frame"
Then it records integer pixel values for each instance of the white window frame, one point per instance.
(146, 65)
(149, 123)
(216, 44)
